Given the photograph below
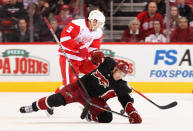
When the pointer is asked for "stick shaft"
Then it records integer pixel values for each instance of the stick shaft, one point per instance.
(170, 105)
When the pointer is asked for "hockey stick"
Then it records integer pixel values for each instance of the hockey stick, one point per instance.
(170, 105)
(85, 111)
(111, 111)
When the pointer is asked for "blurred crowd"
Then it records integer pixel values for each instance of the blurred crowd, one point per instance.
(22, 20)
(153, 25)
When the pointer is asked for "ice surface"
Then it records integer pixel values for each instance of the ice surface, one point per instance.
(179, 118)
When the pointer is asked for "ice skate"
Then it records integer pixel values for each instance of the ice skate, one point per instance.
(26, 109)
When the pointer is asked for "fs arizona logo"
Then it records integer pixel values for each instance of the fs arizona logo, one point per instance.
(19, 62)
(172, 64)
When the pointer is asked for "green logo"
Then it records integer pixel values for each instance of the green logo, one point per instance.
(108, 52)
(15, 52)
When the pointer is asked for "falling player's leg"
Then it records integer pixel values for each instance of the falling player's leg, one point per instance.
(99, 115)
(69, 94)
(44, 103)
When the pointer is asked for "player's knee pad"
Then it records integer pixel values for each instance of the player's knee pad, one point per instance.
(56, 100)
(105, 117)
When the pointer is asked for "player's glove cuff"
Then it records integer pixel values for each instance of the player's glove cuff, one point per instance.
(134, 117)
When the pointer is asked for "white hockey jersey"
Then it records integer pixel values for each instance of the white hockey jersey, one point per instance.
(78, 32)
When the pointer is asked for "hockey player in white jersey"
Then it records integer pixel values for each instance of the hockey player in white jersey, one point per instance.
(79, 39)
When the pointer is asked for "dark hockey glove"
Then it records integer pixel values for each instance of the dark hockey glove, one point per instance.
(134, 117)
(97, 56)
(83, 51)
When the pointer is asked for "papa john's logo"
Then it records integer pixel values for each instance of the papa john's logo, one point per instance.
(110, 53)
(19, 62)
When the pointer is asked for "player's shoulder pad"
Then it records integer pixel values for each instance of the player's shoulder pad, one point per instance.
(109, 59)
(98, 33)
(109, 62)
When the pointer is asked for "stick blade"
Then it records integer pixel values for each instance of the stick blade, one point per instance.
(85, 111)
(169, 105)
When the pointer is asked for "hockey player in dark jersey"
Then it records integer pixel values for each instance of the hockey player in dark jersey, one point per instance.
(102, 84)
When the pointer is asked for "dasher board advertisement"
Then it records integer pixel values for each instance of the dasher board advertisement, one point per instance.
(153, 67)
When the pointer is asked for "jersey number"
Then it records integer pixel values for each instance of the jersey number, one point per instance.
(69, 29)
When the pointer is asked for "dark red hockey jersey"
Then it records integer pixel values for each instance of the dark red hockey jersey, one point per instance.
(100, 83)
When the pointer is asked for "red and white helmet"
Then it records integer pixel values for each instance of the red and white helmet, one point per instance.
(122, 66)
(97, 15)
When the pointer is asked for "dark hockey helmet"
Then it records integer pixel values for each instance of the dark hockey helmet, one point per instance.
(122, 66)
(97, 56)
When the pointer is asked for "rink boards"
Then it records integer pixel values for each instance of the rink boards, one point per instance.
(164, 68)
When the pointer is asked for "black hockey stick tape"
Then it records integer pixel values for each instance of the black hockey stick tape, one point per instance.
(85, 111)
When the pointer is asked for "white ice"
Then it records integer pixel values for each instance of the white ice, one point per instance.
(179, 118)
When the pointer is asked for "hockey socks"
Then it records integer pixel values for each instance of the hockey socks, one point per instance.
(41, 104)
(44, 103)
